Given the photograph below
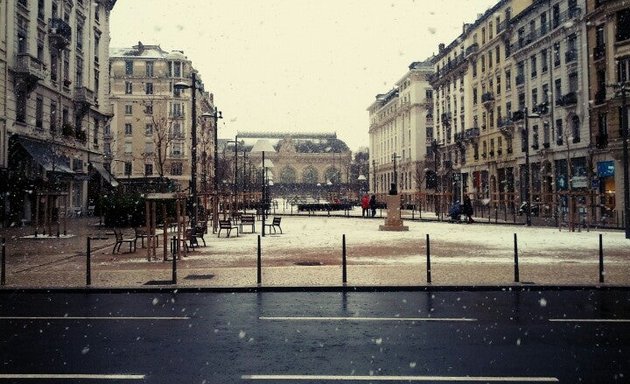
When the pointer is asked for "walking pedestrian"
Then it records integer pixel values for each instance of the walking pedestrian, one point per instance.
(365, 204)
(468, 209)
(373, 205)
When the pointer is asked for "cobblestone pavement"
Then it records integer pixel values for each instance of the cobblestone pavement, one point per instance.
(51, 261)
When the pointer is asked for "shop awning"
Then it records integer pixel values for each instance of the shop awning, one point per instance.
(45, 156)
(105, 174)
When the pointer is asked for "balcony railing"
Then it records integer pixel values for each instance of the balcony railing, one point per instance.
(60, 33)
(520, 79)
(570, 56)
(487, 97)
(471, 133)
(84, 95)
(30, 66)
(472, 49)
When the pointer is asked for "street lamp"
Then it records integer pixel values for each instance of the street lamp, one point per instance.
(193, 151)
(215, 206)
(623, 89)
(263, 146)
(528, 211)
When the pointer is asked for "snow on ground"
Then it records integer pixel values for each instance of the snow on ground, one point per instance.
(450, 242)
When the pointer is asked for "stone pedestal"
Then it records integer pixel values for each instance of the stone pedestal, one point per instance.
(393, 222)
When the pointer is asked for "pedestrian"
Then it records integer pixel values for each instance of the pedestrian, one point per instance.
(373, 205)
(468, 209)
(365, 204)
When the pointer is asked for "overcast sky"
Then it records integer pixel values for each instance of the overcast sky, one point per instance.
(296, 65)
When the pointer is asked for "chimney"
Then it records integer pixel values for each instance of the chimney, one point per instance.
(466, 27)
(441, 47)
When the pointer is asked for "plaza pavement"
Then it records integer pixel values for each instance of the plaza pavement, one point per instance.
(56, 262)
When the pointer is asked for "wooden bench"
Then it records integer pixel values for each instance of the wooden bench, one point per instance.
(200, 230)
(248, 220)
(275, 223)
(227, 225)
(120, 239)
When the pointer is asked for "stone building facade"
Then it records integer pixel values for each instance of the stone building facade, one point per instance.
(150, 136)
(401, 126)
(54, 71)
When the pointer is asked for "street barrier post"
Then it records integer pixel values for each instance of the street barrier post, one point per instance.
(344, 272)
(428, 259)
(174, 247)
(601, 258)
(88, 266)
(516, 272)
(259, 263)
(3, 265)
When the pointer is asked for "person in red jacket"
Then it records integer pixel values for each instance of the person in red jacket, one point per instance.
(365, 204)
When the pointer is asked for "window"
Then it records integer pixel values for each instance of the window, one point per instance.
(176, 149)
(559, 133)
(128, 109)
(39, 112)
(483, 64)
(128, 88)
(148, 88)
(521, 101)
(148, 109)
(128, 148)
(79, 72)
(148, 129)
(79, 35)
(149, 68)
(535, 143)
(483, 35)
(175, 68)
(556, 54)
(603, 124)
(127, 168)
(558, 89)
(575, 129)
(40, 9)
(571, 54)
(573, 82)
(148, 148)
(474, 68)
(490, 31)
(475, 96)
(623, 70)
(148, 169)
(498, 84)
(508, 80)
(555, 14)
(533, 66)
(543, 23)
(623, 25)
(22, 35)
(497, 54)
(176, 169)
(490, 59)
(128, 129)
(53, 117)
(545, 93)
(128, 67)
(534, 97)
(544, 58)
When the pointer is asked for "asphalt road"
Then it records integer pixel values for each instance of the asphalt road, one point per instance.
(566, 336)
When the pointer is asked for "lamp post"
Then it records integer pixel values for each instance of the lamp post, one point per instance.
(193, 150)
(623, 89)
(528, 211)
(215, 206)
(263, 146)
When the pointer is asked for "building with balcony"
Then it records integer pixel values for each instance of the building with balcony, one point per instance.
(548, 46)
(148, 143)
(608, 30)
(401, 130)
(473, 144)
(54, 75)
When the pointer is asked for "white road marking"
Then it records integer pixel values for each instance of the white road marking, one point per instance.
(327, 318)
(69, 376)
(469, 379)
(591, 320)
(93, 318)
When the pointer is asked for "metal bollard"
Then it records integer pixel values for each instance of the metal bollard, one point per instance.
(3, 266)
(344, 271)
(516, 273)
(601, 258)
(259, 263)
(428, 259)
(88, 266)
(175, 247)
